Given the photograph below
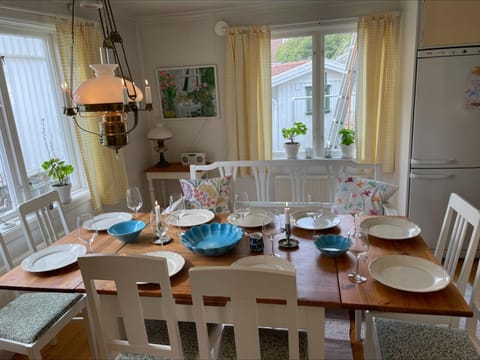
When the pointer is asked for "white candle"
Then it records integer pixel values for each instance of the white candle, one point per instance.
(124, 93)
(287, 214)
(157, 212)
(66, 95)
(148, 93)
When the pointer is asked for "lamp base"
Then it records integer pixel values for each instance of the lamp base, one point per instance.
(163, 162)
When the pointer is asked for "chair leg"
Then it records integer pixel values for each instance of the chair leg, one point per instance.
(90, 333)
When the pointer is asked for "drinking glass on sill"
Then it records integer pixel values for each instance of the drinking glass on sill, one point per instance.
(134, 199)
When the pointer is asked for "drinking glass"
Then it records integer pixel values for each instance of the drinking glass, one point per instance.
(158, 228)
(269, 230)
(240, 210)
(359, 247)
(355, 207)
(86, 230)
(177, 207)
(134, 199)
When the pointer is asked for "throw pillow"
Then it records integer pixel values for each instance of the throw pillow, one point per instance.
(373, 192)
(212, 194)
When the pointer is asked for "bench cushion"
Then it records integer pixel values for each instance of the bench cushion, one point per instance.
(212, 194)
(374, 192)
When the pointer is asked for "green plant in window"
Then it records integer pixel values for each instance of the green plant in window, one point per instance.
(347, 136)
(298, 128)
(58, 170)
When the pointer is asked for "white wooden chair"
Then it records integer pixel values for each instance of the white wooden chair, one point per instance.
(130, 341)
(244, 286)
(43, 214)
(32, 320)
(392, 339)
(461, 226)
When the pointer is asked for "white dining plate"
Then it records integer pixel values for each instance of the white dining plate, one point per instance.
(190, 217)
(254, 218)
(305, 219)
(389, 227)
(265, 262)
(53, 258)
(175, 261)
(103, 221)
(409, 273)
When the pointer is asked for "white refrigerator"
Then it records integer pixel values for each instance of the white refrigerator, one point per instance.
(445, 153)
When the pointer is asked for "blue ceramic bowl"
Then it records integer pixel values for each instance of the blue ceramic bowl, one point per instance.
(127, 231)
(212, 239)
(333, 245)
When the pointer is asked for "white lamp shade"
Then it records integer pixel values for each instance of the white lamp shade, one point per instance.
(159, 132)
(104, 88)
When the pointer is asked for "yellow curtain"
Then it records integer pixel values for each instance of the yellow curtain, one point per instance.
(248, 93)
(105, 172)
(377, 95)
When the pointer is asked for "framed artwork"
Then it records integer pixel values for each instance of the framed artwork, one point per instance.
(188, 92)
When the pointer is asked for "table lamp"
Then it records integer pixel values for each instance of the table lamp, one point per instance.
(160, 133)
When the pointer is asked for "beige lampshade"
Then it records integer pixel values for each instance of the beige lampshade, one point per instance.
(159, 132)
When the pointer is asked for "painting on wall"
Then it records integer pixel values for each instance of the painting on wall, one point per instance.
(188, 92)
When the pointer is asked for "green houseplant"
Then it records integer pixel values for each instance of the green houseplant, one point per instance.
(347, 139)
(292, 146)
(60, 172)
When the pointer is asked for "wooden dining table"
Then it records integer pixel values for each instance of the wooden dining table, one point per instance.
(321, 280)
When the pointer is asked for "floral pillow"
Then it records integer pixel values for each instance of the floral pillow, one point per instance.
(373, 192)
(212, 194)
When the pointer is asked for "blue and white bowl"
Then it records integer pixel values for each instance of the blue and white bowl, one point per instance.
(333, 245)
(127, 231)
(212, 239)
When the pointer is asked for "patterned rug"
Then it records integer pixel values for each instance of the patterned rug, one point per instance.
(337, 343)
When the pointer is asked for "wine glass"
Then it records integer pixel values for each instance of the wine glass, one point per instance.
(86, 230)
(158, 228)
(134, 199)
(359, 247)
(176, 207)
(240, 211)
(269, 230)
(355, 207)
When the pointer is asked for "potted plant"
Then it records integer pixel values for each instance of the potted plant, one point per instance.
(60, 172)
(347, 142)
(291, 147)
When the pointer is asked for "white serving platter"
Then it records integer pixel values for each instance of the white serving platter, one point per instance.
(390, 227)
(265, 262)
(305, 219)
(103, 221)
(409, 273)
(53, 258)
(190, 217)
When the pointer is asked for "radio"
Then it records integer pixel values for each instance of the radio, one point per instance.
(193, 159)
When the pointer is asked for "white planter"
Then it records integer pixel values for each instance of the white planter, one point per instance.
(64, 192)
(291, 149)
(347, 151)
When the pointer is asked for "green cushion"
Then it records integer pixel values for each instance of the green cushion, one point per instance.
(404, 340)
(28, 316)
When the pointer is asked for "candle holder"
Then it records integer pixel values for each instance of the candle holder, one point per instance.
(287, 243)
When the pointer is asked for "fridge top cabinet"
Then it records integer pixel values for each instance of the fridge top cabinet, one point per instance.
(446, 133)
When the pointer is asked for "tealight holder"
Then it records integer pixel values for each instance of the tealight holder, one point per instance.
(287, 243)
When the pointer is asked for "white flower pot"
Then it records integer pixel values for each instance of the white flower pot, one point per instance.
(347, 151)
(64, 192)
(291, 149)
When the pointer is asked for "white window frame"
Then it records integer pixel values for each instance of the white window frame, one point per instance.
(317, 31)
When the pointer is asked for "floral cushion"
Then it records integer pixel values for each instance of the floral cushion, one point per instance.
(212, 194)
(373, 192)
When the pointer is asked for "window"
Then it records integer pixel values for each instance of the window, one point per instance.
(33, 128)
(300, 72)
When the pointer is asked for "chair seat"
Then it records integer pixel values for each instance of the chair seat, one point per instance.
(405, 340)
(273, 344)
(27, 317)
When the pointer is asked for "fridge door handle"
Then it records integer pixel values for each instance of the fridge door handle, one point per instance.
(431, 176)
(438, 162)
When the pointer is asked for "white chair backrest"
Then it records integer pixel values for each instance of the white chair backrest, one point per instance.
(474, 322)
(126, 271)
(5, 255)
(43, 211)
(461, 219)
(244, 286)
(268, 173)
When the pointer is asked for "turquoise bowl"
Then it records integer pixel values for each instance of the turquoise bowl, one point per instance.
(127, 231)
(333, 245)
(212, 239)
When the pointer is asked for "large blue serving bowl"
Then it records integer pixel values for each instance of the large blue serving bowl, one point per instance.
(127, 231)
(212, 239)
(333, 245)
